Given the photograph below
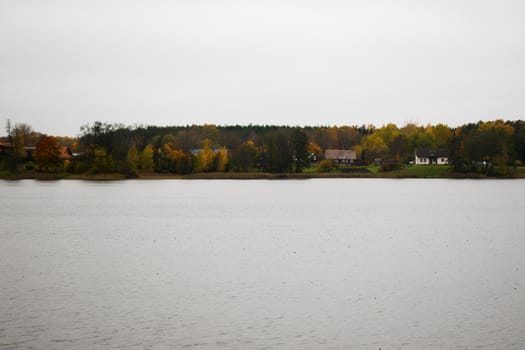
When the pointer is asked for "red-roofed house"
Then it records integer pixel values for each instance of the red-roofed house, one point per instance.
(5, 148)
(65, 153)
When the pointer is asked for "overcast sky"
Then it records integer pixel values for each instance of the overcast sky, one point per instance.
(297, 62)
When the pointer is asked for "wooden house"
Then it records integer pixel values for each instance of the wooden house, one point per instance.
(340, 156)
(5, 148)
(65, 153)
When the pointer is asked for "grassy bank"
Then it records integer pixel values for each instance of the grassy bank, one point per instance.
(418, 172)
(426, 171)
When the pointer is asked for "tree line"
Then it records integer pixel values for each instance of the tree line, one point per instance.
(491, 147)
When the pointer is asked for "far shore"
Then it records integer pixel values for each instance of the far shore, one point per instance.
(399, 174)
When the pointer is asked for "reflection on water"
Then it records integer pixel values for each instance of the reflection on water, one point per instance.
(349, 264)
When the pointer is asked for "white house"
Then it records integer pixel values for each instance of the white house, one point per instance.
(425, 156)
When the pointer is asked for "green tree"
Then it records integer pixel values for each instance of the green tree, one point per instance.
(518, 146)
(485, 147)
(244, 156)
(458, 157)
(20, 135)
(210, 132)
(496, 141)
(278, 152)
(325, 166)
(299, 143)
(103, 161)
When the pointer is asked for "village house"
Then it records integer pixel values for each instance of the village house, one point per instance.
(30, 152)
(313, 157)
(426, 156)
(214, 150)
(341, 156)
(5, 148)
(65, 153)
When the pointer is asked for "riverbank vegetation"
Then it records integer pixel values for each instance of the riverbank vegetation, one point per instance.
(113, 151)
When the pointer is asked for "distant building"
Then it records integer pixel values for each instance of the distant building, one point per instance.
(341, 156)
(5, 148)
(30, 152)
(313, 157)
(426, 156)
(215, 150)
(65, 153)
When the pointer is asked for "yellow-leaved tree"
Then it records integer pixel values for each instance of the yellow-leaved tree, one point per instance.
(314, 148)
(146, 160)
(374, 146)
(204, 160)
(222, 160)
(133, 158)
(175, 160)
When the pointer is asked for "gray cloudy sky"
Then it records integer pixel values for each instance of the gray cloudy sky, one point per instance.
(66, 63)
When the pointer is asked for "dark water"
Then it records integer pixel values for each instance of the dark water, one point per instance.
(315, 264)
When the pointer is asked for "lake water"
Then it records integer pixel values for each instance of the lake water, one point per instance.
(309, 264)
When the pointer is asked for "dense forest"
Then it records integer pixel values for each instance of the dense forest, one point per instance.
(491, 148)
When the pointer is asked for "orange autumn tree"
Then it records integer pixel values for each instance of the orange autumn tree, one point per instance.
(47, 152)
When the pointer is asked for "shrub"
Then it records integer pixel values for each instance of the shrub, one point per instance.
(325, 166)
(30, 166)
(389, 166)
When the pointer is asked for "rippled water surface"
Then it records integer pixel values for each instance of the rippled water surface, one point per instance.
(312, 264)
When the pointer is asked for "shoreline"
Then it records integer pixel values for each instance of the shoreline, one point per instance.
(249, 176)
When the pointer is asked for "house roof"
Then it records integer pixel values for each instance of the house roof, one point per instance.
(197, 151)
(428, 152)
(65, 153)
(340, 154)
